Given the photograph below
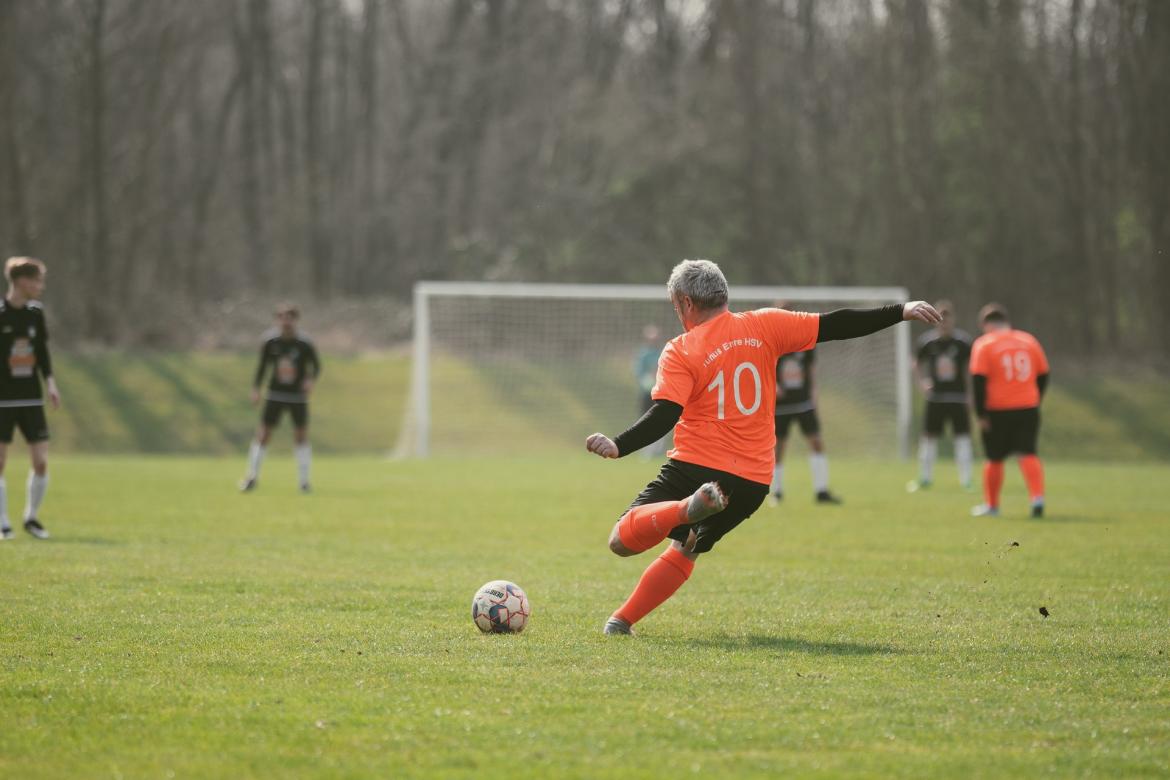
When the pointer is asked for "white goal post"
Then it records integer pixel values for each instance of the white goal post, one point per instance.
(549, 363)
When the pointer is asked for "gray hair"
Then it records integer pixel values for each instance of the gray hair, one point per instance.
(699, 280)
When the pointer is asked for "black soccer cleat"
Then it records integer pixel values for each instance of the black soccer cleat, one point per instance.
(247, 485)
(306, 488)
(6, 533)
(34, 527)
(1037, 510)
(825, 497)
(617, 627)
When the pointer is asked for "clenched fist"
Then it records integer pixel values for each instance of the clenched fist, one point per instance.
(601, 445)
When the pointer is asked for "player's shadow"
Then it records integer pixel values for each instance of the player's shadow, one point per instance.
(790, 644)
(94, 541)
(1062, 518)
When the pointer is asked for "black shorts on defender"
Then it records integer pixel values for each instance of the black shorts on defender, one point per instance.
(274, 409)
(810, 424)
(678, 480)
(1012, 432)
(939, 413)
(30, 420)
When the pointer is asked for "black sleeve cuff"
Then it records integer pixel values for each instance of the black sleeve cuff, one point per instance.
(658, 421)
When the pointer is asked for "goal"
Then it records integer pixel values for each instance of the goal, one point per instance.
(514, 369)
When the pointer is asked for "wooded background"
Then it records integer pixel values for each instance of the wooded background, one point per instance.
(165, 155)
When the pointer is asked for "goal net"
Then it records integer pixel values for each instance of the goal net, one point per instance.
(504, 368)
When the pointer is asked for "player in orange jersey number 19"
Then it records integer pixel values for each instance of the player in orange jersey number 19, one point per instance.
(1009, 375)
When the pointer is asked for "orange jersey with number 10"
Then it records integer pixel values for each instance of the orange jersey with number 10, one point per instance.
(723, 374)
(1011, 360)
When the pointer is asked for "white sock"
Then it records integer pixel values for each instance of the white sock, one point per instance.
(37, 485)
(255, 458)
(927, 452)
(778, 478)
(3, 503)
(963, 458)
(820, 471)
(304, 455)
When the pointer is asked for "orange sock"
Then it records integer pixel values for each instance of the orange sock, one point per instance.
(645, 526)
(659, 582)
(1033, 470)
(992, 481)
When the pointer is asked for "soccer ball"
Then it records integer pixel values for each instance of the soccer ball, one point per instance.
(500, 607)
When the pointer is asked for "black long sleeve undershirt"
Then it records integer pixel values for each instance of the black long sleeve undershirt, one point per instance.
(854, 323)
(979, 390)
(658, 421)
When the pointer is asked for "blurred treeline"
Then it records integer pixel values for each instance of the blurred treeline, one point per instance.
(163, 155)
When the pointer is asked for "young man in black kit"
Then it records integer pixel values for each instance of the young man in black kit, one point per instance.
(24, 346)
(796, 402)
(295, 368)
(941, 369)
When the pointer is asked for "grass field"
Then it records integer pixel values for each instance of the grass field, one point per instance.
(197, 402)
(172, 627)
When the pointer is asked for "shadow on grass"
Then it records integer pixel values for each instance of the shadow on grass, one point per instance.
(150, 432)
(1133, 417)
(1061, 518)
(231, 436)
(94, 541)
(794, 645)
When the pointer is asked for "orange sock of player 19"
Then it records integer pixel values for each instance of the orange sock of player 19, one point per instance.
(645, 526)
(992, 481)
(1033, 470)
(659, 582)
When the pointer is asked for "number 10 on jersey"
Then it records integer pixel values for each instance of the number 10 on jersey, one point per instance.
(718, 385)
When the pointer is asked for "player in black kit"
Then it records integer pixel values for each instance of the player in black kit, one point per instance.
(295, 368)
(24, 345)
(796, 402)
(941, 370)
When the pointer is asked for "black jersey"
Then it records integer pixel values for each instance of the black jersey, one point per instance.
(944, 360)
(24, 350)
(794, 382)
(293, 361)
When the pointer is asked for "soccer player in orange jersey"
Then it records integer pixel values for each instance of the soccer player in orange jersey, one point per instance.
(1009, 374)
(716, 387)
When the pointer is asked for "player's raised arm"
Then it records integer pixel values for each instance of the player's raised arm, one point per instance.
(854, 323)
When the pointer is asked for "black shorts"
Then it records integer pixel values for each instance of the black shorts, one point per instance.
(678, 480)
(810, 425)
(30, 419)
(1013, 431)
(274, 409)
(939, 413)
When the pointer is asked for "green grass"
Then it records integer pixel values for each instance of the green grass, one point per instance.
(197, 402)
(173, 626)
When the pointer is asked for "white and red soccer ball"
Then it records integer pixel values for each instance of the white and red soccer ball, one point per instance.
(500, 607)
